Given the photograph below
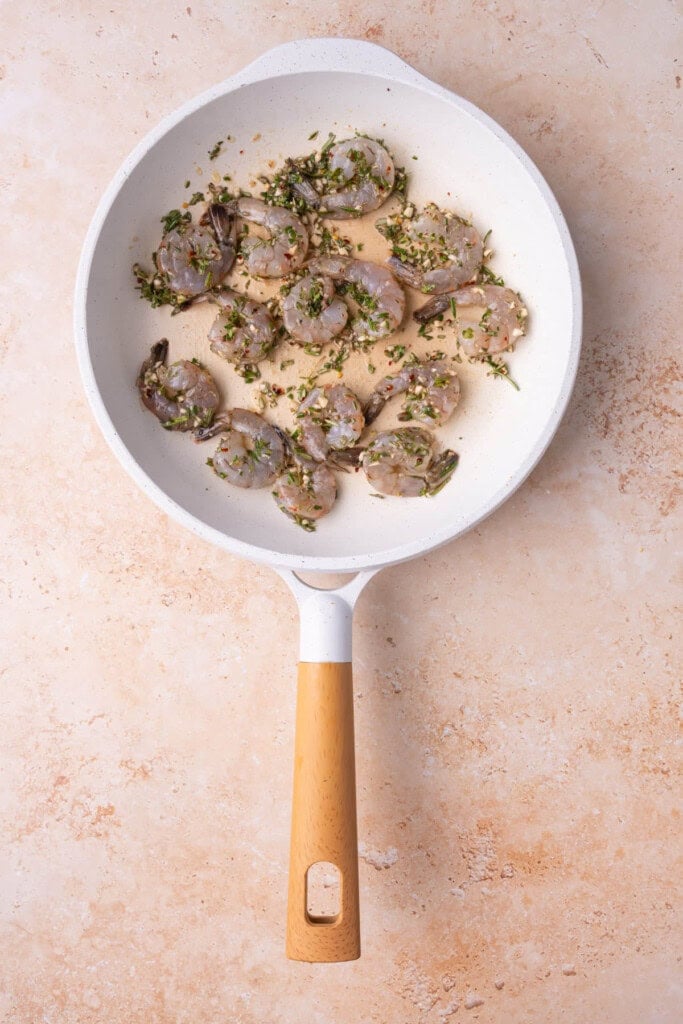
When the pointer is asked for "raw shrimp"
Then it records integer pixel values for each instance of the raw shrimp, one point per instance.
(183, 395)
(330, 417)
(251, 452)
(402, 463)
(434, 252)
(244, 331)
(431, 390)
(285, 248)
(196, 257)
(312, 313)
(363, 173)
(379, 298)
(489, 317)
(306, 492)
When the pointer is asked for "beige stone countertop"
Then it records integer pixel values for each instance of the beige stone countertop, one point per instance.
(519, 803)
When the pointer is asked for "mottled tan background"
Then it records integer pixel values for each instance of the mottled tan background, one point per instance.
(517, 691)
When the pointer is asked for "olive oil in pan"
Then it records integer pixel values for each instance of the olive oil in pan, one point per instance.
(290, 369)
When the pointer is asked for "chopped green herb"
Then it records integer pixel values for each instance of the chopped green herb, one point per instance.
(336, 360)
(395, 352)
(361, 296)
(260, 451)
(498, 368)
(268, 395)
(306, 524)
(174, 219)
(248, 372)
(215, 149)
(154, 288)
(333, 244)
(488, 275)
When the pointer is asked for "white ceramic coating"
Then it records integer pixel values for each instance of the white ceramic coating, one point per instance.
(343, 85)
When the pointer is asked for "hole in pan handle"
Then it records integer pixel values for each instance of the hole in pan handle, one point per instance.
(323, 893)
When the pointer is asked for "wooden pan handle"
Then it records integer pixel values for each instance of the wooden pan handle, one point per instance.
(324, 813)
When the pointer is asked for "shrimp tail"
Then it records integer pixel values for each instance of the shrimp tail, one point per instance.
(305, 190)
(440, 471)
(221, 218)
(287, 441)
(220, 423)
(404, 272)
(295, 452)
(346, 458)
(221, 296)
(374, 406)
(186, 304)
(437, 305)
(157, 357)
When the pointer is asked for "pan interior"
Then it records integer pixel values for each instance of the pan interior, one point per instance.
(460, 163)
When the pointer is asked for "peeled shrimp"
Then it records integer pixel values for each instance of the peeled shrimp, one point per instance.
(283, 251)
(244, 331)
(489, 317)
(431, 390)
(366, 174)
(306, 492)
(435, 252)
(401, 463)
(330, 417)
(196, 257)
(251, 451)
(312, 313)
(183, 396)
(379, 298)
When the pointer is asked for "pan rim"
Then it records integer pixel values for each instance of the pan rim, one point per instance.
(284, 559)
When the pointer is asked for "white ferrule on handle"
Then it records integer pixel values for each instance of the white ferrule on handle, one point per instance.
(326, 616)
(326, 626)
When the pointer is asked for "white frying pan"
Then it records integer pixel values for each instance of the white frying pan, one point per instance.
(270, 109)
